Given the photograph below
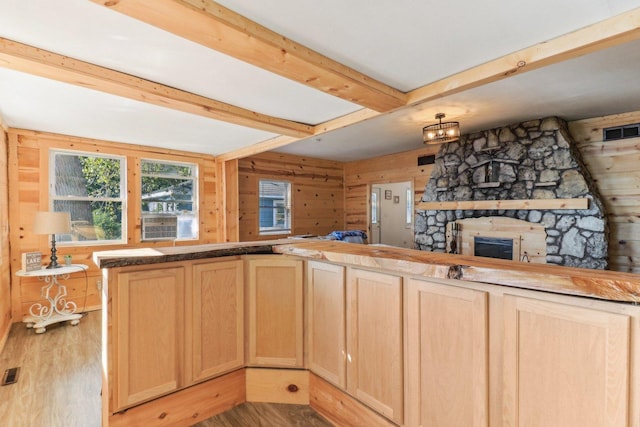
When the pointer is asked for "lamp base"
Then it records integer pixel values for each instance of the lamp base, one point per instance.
(54, 257)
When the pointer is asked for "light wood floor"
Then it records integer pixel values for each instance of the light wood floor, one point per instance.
(59, 380)
(59, 384)
(267, 415)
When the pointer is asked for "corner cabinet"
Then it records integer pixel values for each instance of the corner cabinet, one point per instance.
(171, 326)
(275, 312)
(355, 329)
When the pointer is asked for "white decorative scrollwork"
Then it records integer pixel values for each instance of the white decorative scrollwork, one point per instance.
(58, 308)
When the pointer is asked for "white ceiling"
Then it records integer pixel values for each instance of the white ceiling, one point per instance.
(404, 43)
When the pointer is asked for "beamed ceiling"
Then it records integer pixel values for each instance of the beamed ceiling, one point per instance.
(333, 79)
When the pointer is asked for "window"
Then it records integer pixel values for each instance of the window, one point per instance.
(169, 200)
(374, 207)
(275, 206)
(91, 188)
(409, 207)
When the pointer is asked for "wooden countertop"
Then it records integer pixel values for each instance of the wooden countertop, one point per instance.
(144, 256)
(601, 284)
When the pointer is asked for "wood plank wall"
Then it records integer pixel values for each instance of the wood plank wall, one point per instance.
(328, 195)
(400, 167)
(5, 276)
(615, 166)
(28, 173)
(317, 193)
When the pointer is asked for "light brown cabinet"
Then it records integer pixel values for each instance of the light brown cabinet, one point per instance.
(355, 332)
(147, 325)
(418, 351)
(553, 359)
(173, 326)
(326, 321)
(447, 355)
(375, 368)
(567, 364)
(217, 318)
(275, 312)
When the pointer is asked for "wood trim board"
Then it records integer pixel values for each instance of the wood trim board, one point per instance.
(524, 204)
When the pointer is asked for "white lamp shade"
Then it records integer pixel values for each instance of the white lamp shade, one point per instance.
(52, 223)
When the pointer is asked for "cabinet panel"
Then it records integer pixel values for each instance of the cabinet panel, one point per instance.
(564, 365)
(447, 346)
(374, 342)
(327, 321)
(150, 310)
(275, 312)
(217, 316)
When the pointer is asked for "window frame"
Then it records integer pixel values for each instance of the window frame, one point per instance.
(194, 177)
(409, 207)
(53, 197)
(288, 209)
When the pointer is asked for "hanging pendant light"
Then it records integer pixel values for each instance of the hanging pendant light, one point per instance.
(441, 132)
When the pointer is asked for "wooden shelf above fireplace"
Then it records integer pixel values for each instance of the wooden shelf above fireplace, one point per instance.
(528, 204)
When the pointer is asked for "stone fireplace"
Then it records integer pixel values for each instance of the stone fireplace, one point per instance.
(531, 172)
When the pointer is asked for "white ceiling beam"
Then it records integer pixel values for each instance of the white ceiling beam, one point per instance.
(611, 32)
(281, 141)
(31, 60)
(211, 24)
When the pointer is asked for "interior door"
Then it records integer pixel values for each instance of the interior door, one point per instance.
(394, 214)
(375, 214)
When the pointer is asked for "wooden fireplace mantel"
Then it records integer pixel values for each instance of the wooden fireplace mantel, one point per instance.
(526, 204)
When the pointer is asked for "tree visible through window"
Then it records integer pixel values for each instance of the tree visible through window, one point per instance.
(274, 206)
(169, 192)
(91, 189)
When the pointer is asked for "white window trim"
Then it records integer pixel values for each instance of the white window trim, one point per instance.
(123, 193)
(409, 207)
(196, 194)
(288, 207)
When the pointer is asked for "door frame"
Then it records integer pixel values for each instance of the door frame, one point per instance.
(370, 186)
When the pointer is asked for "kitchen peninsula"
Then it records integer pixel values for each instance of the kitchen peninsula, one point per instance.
(366, 334)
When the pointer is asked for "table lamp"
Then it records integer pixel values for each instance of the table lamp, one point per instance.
(52, 223)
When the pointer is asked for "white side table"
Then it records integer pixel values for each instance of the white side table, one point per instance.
(58, 308)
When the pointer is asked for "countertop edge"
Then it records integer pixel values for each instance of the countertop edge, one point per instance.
(600, 284)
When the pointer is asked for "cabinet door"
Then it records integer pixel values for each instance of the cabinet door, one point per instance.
(275, 312)
(326, 321)
(564, 365)
(447, 355)
(217, 318)
(148, 338)
(374, 341)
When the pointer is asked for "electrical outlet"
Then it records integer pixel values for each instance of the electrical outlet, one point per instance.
(99, 285)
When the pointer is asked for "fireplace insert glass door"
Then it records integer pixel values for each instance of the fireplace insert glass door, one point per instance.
(493, 247)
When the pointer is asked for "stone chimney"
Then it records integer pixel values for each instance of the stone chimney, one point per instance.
(537, 159)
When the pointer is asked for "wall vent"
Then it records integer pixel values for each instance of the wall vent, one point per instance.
(159, 227)
(426, 160)
(621, 132)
